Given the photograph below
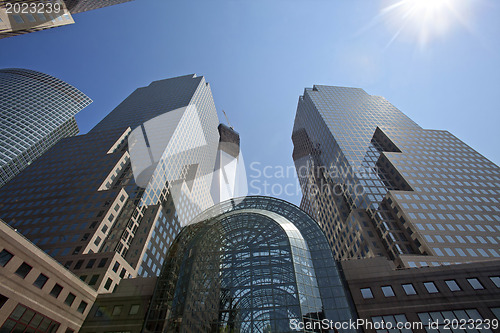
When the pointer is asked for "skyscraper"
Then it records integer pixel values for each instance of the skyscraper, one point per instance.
(108, 204)
(380, 185)
(36, 111)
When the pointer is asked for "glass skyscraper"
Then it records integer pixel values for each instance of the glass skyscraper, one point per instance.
(256, 265)
(36, 111)
(108, 204)
(380, 185)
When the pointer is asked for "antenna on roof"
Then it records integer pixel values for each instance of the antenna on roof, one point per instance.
(227, 119)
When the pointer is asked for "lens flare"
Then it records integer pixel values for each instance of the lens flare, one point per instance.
(423, 21)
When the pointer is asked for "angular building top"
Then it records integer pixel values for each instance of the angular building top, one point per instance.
(146, 103)
(36, 110)
(380, 185)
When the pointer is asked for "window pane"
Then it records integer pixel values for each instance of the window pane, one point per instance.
(134, 309)
(475, 283)
(40, 281)
(409, 289)
(431, 287)
(108, 284)
(56, 290)
(388, 292)
(82, 306)
(5, 257)
(453, 285)
(23, 270)
(70, 299)
(366, 293)
(117, 310)
(495, 280)
(93, 280)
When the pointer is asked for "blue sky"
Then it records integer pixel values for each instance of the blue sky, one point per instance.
(259, 55)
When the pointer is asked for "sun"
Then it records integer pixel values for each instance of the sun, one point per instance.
(423, 21)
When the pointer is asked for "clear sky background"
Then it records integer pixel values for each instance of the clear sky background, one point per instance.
(440, 65)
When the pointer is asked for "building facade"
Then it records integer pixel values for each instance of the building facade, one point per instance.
(15, 21)
(37, 294)
(456, 298)
(36, 111)
(124, 310)
(255, 265)
(92, 204)
(380, 185)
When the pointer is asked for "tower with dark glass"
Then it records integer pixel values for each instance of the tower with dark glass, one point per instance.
(380, 185)
(92, 202)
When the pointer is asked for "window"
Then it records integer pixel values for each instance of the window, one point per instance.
(4, 300)
(30, 17)
(5, 257)
(117, 310)
(56, 290)
(116, 266)
(495, 280)
(366, 293)
(18, 18)
(475, 283)
(100, 311)
(23, 270)
(90, 264)
(108, 284)
(93, 280)
(82, 306)
(134, 309)
(431, 287)
(23, 316)
(388, 292)
(102, 263)
(70, 299)
(453, 285)
(40, 281)
(409, 289)
(79, 264)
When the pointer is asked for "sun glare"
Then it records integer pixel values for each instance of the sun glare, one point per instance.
(422, 21)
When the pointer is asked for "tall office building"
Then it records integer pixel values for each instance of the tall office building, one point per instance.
(36, 111)
(108, 204)
(380, 185)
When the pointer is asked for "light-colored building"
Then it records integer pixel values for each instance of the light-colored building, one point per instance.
(22, 17)
(37, 293)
